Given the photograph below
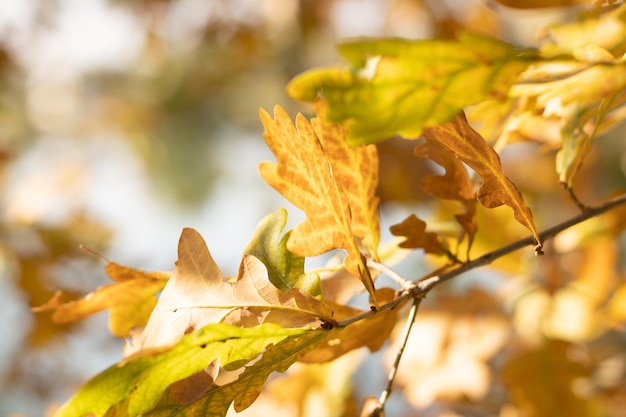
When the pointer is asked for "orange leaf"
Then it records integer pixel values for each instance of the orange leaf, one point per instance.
(355, 169)
(371, 332)
(129, 301)
(196, 295)
(326, 181)
(416, 235)
(454, 185)
(496, 189)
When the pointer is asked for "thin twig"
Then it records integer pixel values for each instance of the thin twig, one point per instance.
(424, 286)
(572, 196)
(384, 396)
(400, 280)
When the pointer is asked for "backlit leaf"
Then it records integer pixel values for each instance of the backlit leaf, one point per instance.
(136, 384)
(284, 268)
(455, 184)
(355, 168)
(130, 300)
(496, 189)
(580, 100)
(539, 4)
(371, 332)
(246, 388)
(578, 92)
(402, 86)
(305, 175)
(607, 31)
(197, 295)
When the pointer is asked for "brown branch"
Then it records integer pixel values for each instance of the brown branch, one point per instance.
(384, 396)
(422, 287)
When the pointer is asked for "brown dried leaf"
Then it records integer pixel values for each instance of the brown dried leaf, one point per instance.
(496, 189)
(455, 184)
(414, 229)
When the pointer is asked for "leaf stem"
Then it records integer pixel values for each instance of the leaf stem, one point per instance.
(421, 288)
(400, 280)
(384, 396)
(570, 192)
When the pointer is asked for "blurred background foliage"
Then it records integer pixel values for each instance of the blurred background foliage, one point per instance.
(123, 121)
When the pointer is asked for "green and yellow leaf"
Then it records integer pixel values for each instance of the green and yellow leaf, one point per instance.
(216, 401)
(575, 93)
(135, 385)
(285, 269)
(402, 86)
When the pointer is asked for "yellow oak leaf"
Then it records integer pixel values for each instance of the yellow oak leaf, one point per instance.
(330, 181)
(196, 295)
(355, 168)
(130, 300)
(496, 189)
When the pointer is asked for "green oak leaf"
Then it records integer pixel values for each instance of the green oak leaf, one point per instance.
(135, 385)
(216, 401)
(398, 86)
(285, 269)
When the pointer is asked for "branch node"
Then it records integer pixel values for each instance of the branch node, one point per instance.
(570, 192)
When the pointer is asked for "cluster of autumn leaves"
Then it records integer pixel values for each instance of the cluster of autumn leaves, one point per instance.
(186, 343)
(272, 305)
(273, 300)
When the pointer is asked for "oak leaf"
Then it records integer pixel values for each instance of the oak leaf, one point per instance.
(326, 180)
(371, 332)
(455, 184)
(130, 300)
(355, 168)
(496, 189)
(579, 98)
(414, 229)
(136, 384)
(576, 92)
(402, 86)
(242, 392)
(285, 269)
(197, 295)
